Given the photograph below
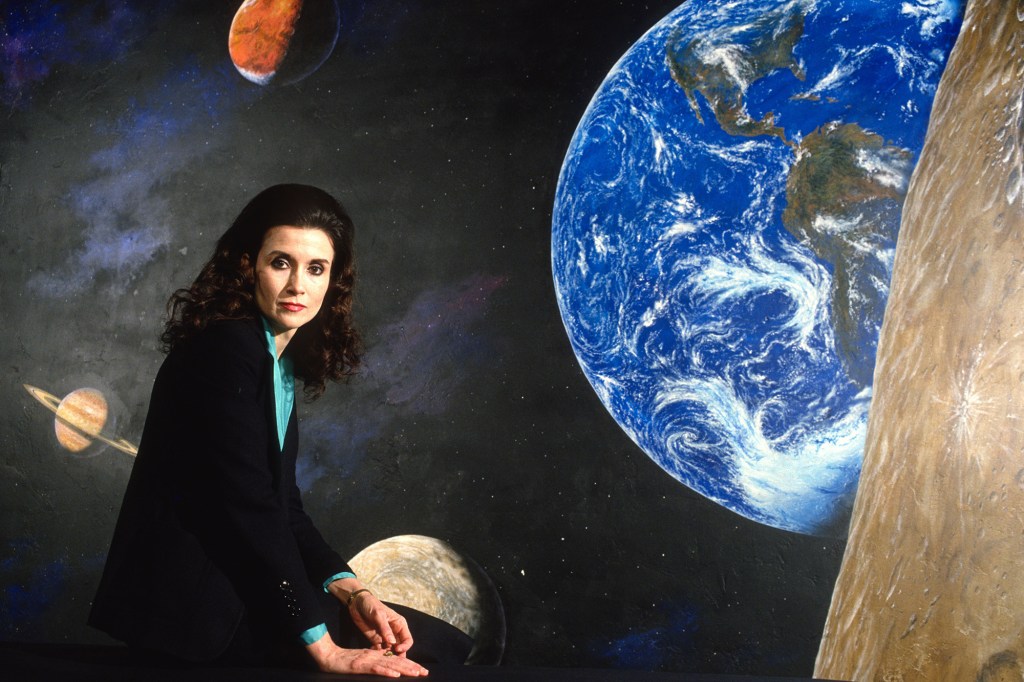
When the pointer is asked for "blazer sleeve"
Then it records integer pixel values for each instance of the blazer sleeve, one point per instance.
(244, 516)
(320, 559)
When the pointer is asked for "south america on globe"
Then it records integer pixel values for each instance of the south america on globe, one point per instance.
(723, 237)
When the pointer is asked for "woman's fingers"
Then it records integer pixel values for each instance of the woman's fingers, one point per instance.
(376, 663)
(373, 662)
(400, 632)
(382, 625)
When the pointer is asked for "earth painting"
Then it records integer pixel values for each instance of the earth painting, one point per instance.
(724, 232)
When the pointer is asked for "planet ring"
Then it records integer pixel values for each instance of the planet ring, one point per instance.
(52, 402)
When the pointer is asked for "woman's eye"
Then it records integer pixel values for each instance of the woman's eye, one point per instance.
(279, 263)
(316, 269)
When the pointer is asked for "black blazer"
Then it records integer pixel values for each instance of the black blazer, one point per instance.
(212, 525)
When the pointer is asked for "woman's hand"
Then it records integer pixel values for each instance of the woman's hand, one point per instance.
(331, 658)
(379, 623)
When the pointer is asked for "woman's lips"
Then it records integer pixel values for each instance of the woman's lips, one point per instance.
(293, 307)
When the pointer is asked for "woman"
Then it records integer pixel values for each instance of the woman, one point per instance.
(213, 557)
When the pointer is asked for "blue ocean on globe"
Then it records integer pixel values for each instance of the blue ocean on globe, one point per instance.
(724, 232)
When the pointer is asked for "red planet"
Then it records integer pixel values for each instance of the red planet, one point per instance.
(282, 41)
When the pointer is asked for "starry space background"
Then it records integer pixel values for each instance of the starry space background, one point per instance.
(130, 142)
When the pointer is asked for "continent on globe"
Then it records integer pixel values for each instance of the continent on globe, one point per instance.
(844, 198)
(721, 65)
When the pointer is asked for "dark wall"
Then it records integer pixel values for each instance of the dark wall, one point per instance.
(130, 141)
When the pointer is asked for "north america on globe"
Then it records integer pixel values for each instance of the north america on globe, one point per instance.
(724, 232)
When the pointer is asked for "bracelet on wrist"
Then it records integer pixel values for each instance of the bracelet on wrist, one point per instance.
(352, 595)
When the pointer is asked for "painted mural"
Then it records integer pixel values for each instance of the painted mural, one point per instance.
(724, 233)
(748, 163)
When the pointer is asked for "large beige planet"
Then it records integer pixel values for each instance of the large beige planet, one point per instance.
(428, 575)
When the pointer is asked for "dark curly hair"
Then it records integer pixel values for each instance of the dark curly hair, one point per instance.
(328, 347)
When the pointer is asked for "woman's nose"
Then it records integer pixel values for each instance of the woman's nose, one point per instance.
(295, 282)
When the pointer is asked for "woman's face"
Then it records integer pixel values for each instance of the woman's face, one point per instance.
(293, 273)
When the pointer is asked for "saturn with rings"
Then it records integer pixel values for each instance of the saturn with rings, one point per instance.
(79, 419)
